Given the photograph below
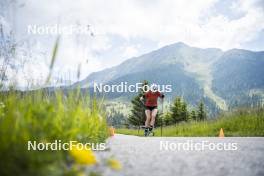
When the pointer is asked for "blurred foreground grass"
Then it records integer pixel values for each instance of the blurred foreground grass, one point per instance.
(42, 117)
(241, 123)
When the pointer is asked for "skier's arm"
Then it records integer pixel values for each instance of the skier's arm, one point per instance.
(161, 95)
(142, 98)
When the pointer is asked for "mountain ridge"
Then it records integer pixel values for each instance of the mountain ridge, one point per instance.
(206, 67)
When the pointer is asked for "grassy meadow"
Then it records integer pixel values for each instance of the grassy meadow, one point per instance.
(39, 116)
(240, 123)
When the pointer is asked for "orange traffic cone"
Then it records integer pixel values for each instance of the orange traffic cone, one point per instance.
(221, 133)
(112, 131)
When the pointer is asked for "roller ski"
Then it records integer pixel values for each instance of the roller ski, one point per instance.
(148, 131)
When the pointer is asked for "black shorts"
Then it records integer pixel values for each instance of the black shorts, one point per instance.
(151, 108)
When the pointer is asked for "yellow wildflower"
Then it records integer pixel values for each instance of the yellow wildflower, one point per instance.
(83, 156)
(114, 164)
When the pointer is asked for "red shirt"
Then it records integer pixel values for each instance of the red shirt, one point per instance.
(152, 98)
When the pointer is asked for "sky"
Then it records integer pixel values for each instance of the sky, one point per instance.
(119, 30)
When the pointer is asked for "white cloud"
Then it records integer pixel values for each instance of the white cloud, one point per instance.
(135, 21)
(162, 21)
(130, 51)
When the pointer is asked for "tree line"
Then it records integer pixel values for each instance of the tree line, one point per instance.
(179, 112)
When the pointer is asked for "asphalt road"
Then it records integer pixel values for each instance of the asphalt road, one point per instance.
(141, 156)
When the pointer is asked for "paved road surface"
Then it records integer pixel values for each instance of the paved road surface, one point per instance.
(142, 156)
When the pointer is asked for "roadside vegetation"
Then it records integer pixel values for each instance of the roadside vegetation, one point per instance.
(238, 123)
(47, 115)
(38, 116)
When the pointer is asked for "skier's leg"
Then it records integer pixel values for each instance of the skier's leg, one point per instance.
(148, 117)
(153, 117)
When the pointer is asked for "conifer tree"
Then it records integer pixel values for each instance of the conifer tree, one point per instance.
(184, 111)
(137, 116)
(201, 113)
(179, 111)
(167, 119)
(193, 115)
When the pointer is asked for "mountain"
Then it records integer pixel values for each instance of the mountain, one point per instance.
(172, 54)
(239, 76)
(221, 79)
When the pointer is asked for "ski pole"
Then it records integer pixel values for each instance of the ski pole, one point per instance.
(161, 116)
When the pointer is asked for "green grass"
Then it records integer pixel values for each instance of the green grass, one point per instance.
(37, 116)
(240, 123)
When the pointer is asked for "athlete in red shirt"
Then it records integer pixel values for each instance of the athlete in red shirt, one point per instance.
(151, 104)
